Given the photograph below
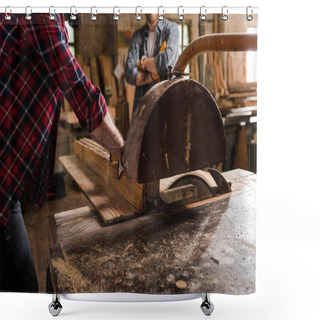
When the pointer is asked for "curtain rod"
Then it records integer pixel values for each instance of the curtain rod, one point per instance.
(180, 10)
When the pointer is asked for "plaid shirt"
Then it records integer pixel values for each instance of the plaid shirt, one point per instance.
(36, 69)
(166, 31)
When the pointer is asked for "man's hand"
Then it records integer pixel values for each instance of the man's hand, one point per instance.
(143, 78)
(108, 135)
(149, 65)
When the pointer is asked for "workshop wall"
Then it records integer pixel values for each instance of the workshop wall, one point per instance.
(93, 38)
(223, 73)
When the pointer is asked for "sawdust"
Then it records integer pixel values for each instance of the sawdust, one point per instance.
(73, 274)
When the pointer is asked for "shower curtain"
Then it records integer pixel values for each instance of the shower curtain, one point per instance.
(91, 227)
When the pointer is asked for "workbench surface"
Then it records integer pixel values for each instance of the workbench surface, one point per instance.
(208, 247)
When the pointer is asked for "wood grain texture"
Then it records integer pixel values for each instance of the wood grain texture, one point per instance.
(87, 71)
(108, 78)
(110, 205)
(98, 159)
(94, 72)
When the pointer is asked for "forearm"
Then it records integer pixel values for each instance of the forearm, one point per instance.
(108, 135)
(143, 78)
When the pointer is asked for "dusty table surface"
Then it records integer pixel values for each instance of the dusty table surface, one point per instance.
(205, 248)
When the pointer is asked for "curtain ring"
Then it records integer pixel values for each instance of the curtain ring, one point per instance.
(6, 11)
(93, 16)
(224, 16)
(116, 15)
(203, 15)
(138, 17)
(52, 11)
(73, 14)
(160, 15)
(249, 17)
(180, 15)
(28, 13)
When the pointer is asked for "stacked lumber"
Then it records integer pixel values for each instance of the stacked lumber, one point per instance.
(99, 70)
(98, 159)
(231, 92)
(215, 80)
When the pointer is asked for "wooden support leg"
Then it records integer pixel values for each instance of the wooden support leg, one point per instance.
(241, 159)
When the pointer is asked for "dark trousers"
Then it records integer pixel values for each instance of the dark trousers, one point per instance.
(17, 272)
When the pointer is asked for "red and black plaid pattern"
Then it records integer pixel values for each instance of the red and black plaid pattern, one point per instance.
(36, 69)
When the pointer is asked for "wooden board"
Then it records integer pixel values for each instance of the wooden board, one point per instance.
(94, 72)
(130, 91)
(98, 159)
(110, 205)
(87, 72)
(122, 114)
(80, 59)
(109, 81)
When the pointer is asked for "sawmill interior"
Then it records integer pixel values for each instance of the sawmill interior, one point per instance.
(98, 233)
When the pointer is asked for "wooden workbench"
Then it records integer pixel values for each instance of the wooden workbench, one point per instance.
(208, 247)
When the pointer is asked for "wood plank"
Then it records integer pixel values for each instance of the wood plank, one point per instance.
(223, 83)
(230, 70)
(71, 118)
(98, 159)
(110, 205)
(122, 114)
(109, 81)
(66, 105)
(73, 214)
(87, 72)
(179, 193)
(241, 159)
(94, 72)
(80, 59)
(194, 70)
(243, 94)
(130, 90)
(243, 86)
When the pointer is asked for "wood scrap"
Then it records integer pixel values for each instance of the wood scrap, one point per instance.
(109, 81)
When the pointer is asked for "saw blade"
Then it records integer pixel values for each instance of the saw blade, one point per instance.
(204, 190)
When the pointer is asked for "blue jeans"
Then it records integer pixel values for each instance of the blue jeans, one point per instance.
(17, 272)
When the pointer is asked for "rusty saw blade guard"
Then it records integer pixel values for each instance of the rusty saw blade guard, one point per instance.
(176, 128)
